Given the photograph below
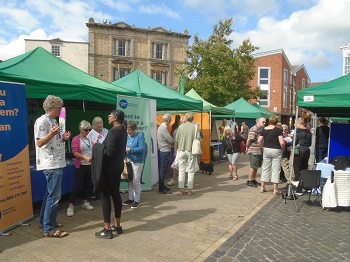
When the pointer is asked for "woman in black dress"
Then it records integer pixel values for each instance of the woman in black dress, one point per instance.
(113, 165)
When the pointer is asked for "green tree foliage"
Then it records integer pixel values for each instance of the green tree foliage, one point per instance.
(219, 73)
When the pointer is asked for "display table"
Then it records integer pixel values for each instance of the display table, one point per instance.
(38, 182)
(326, 169)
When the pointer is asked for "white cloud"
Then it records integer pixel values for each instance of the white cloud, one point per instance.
(309, 35)
(19, 18)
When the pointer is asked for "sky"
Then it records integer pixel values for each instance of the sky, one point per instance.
(310, 32)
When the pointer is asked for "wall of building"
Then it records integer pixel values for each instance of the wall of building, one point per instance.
(74, 53)
(278, 62)
(102, 62)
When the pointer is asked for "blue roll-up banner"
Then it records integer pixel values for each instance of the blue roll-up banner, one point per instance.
(15, 188)
(339, 142)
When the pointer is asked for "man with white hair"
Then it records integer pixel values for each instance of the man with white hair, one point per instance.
(164, 145)
(255, 151)
(50, 157)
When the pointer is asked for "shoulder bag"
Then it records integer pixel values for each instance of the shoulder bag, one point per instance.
(196, 144)
(127, 173)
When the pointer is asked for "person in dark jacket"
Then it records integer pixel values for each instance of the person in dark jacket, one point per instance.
(230, 146)
(285, 173)
(302, 138)
(113, 165)
(322, 137)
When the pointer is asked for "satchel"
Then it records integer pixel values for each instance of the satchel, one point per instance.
(196, 144)
(127, 173)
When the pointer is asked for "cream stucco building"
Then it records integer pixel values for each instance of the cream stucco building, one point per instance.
(74, 53)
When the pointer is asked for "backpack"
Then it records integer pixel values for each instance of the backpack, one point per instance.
(341, 162)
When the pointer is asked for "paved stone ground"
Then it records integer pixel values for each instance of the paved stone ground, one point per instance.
(278, 233)
(223, 220)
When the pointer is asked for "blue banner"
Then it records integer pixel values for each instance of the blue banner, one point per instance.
(13, 120)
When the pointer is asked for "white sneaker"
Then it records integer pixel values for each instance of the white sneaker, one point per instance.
(87, 206)
(70, 211)
(171, 182)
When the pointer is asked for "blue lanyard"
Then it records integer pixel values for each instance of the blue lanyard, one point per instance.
(52, 121)
(88, 145)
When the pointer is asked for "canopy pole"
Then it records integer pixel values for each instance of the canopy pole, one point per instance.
(291, 168)
(84, 106)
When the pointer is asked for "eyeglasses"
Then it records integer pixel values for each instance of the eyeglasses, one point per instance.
(87, 130)
(57, 107)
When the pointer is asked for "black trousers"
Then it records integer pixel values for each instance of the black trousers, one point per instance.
(301, 162)
(82, 183)
(110, 189)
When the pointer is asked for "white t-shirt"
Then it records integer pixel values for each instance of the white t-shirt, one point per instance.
(51, 155)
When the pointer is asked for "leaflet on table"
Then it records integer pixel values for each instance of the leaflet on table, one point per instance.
(95, 137)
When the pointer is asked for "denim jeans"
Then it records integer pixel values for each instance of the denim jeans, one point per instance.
(48, 212)
(164, 165)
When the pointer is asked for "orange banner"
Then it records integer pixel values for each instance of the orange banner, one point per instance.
(204, 121)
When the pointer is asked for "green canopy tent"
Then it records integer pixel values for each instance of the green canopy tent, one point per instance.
(45, 74)
(328, 99)
(265, 111)
(167, 99)
(244, 109)
(215, 111)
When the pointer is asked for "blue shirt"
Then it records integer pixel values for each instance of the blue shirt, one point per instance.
(136, 144)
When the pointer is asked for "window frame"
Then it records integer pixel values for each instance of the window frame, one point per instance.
(54, 52)
(121, 47)
(265, 87)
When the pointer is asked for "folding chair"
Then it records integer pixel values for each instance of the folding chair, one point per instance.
(309, 179)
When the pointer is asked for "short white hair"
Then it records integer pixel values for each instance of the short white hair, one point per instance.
(166, 117)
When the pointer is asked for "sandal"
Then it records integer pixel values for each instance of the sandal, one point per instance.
(263, 190)
(230, 177)
(56, 234)
(58, 225)
(189, 193)
(182, 192)
(276, 192)
(235, 178)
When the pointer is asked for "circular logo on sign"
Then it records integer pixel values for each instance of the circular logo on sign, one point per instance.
(123, 103)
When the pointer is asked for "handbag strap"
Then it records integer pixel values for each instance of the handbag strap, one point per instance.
(195, 131)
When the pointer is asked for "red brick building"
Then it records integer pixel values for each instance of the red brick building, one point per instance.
(280, 81)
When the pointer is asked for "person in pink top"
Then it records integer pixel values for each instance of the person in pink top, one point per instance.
(82, 150)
